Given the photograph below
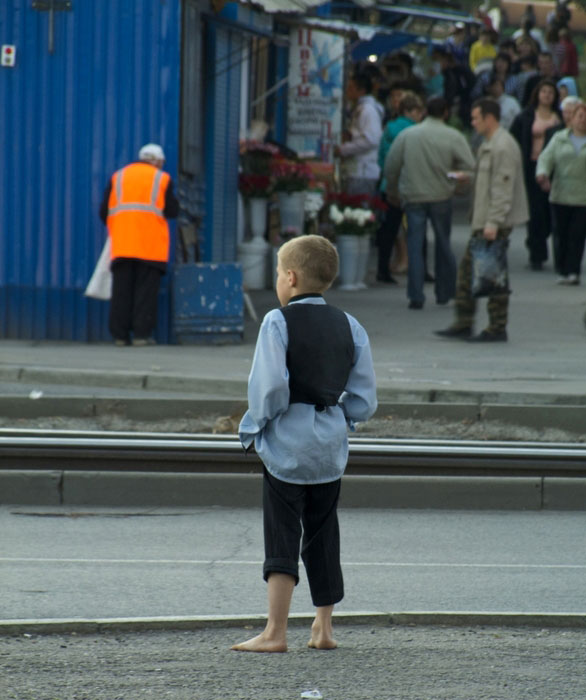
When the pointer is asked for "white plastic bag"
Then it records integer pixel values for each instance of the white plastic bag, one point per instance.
(100, 284)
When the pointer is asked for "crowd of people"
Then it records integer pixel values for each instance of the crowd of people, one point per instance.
(414, 138)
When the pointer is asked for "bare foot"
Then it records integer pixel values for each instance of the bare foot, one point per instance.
(322, 638)
(262, 643)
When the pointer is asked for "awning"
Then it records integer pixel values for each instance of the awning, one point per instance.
(431, 13)
(364, 32)
(366, 38)
(273, 6)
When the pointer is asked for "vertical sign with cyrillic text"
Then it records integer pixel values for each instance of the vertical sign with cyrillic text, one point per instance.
(316, 79)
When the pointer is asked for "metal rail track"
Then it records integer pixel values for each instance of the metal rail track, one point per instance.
(198, 453)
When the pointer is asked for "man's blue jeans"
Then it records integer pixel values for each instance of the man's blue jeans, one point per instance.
(440, 214)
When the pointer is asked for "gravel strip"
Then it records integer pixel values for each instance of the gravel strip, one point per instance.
(382, 663)
(376, 427)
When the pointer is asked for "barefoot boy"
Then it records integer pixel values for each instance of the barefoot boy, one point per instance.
(311, 377)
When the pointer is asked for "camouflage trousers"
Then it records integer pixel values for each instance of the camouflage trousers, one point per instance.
(465, 303)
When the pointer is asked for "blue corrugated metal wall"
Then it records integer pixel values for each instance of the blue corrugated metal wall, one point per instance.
(223, 56)
(68, 120)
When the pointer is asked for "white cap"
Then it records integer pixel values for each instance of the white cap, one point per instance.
(151, 151)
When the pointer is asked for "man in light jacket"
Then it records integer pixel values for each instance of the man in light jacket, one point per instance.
(499, 204)
(418, 166)
(360, 153)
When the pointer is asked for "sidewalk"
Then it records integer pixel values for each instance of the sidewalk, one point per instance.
(544, 361)
(372, 663)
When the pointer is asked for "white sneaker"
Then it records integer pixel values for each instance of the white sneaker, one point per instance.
(573, 279)
(562, 280)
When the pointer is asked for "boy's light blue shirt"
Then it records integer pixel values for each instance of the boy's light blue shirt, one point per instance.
(296, 443)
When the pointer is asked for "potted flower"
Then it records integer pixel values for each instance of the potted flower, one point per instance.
(256, 157)
(290, 180)
(255, 182)
(353, 226)
(314, 202)
(290, 176)
(255, 185)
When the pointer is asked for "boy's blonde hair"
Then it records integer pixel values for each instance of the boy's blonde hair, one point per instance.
(313, 258)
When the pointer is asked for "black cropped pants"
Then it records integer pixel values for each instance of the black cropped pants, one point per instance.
(304, 515)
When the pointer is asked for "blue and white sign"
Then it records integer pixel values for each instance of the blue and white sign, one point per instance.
(316, 79)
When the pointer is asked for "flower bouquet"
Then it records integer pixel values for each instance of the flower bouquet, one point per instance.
(352, 221)
(256, 157)
(254, 179)
(290, 176)
(252, 185)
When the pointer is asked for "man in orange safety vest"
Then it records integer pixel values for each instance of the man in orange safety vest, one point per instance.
(136, 204)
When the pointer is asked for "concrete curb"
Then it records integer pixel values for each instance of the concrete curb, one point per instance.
(145, 624)
(142, 489)
(236, 388)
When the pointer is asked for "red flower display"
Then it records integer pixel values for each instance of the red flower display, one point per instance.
(254, 185)
(353, 201)
(290, 176)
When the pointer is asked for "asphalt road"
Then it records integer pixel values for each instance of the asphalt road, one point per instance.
(372, 663)
(66, 563)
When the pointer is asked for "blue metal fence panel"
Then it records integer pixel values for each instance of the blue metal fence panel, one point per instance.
(69, 119)
(208, 304)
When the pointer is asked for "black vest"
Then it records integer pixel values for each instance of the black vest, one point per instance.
(319, 353)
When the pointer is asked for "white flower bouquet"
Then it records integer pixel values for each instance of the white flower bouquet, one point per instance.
(352, 221)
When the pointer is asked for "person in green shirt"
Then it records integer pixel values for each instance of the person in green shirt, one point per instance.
(410, 110)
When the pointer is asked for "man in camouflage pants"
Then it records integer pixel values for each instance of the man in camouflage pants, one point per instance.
(499, 204)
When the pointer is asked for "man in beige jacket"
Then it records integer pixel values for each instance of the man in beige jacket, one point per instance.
(499, 204)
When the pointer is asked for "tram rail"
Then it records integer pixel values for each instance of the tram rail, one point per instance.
(203, 453)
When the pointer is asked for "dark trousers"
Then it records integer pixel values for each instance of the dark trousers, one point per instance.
(497, 306)
(133, 308)
(569, 230)
(386, 237)
(539, 226)
(287, 508)
(440, 214)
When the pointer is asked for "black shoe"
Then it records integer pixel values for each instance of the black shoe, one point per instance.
(428, 277)
(415, 305)
(489, 337)
(454, 332)
(442, 302)
(388, 279)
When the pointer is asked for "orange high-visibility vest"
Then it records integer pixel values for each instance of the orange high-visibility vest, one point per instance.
(136, 224)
